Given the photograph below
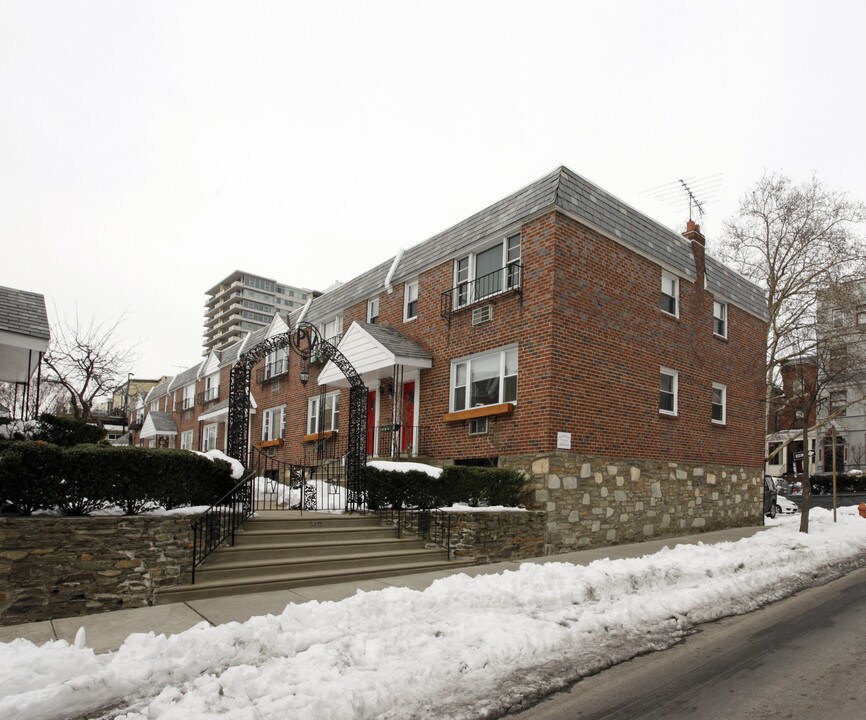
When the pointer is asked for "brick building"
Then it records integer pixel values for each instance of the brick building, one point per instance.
(558, 331)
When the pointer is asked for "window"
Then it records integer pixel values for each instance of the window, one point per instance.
(186, 440)
(670, 293)
(481, 274)
(861, 315)
(838, 318)
(720, 318)
(332, 330)
(373, 311)
(410, 300)
(276, 363)
(212, 387)
(329, 419)
(209, 438)
(485, 379)
(154, 406)
(668, 391)
(188, 396)
(720, 397)
(274, 423)
(838, 401)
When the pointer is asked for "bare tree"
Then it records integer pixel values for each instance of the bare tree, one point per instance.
(88, 361)
(796, 241)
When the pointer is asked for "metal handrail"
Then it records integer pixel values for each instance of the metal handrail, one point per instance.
(508, 279)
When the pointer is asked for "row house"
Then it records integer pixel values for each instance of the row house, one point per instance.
(558, 331)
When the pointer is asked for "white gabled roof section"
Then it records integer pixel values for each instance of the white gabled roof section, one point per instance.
(210, 366)
(370, 358)
(277, 327)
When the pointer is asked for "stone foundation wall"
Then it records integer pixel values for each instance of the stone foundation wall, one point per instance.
(65, 566)
(489, 536)
(593, 502)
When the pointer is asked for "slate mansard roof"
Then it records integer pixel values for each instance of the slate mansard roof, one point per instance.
(579, 198)
(23, 313)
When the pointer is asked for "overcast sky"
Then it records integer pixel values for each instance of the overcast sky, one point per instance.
(148, 149)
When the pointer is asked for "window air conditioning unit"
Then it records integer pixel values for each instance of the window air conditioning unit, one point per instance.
(482, 314)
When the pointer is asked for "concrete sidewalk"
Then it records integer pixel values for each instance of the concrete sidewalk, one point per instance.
(107, 631)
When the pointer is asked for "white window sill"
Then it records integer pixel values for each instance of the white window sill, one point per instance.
(667, 413)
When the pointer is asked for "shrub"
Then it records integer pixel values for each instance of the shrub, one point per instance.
(67, 432)
(30, 475)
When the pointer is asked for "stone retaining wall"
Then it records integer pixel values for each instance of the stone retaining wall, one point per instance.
(593, 502)
(64, 566)
(489, 536)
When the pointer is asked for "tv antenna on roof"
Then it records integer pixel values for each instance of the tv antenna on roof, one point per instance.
(692, 192)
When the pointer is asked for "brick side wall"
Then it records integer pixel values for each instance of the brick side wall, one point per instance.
(56, 567)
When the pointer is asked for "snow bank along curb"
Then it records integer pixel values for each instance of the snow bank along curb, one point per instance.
(464, 648)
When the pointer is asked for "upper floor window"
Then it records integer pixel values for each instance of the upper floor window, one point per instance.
(670, 293)
(720, 318)
(484, 379)
(487, 272)
(276, 363)
(154, 406)
(838, 401)
(186, 440)
(410, 300)
(212, 387)
(720, 401)
(188, 396)
(332, 330)
(373, 311)
(323, 420)
(668, 381)
(274, 423)
(838, 318)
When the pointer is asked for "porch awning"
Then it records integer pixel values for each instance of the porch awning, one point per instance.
(374, 350)
(156, 424)
(23, 333)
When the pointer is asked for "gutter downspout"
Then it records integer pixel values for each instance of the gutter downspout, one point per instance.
(397, 258)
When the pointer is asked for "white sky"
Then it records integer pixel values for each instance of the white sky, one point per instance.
(149, 149)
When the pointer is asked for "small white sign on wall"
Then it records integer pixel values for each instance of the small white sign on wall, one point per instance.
(563, 441)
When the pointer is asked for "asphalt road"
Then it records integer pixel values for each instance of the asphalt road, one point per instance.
(800, 659)
(826, 501)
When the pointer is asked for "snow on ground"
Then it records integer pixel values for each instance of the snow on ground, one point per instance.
(431, 470)
(463, 648)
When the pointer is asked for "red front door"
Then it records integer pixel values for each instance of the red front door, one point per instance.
(371, 421)
(408, 420)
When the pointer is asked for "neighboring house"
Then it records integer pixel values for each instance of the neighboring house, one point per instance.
(560, 332)
(24, 337)
(843, 403)
(784, 441)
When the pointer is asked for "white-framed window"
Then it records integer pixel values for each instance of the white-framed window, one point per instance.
(670, 294)
(410, 300)
(274, 423)
(720, 404)
(276, 363)
(480, 274)
(209, 438)
(212, 387)
(154, 406)
(328, 419)
(332, 330)
(720, 318)
(188, 396)
(485, 379)
(373, 311)
(186, 440)
(838, 401)
(668, 387)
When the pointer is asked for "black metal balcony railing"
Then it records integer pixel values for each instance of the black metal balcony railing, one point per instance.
(272, 371)
(210, 395)
(335, 340)
(186, 403)
(508, 279)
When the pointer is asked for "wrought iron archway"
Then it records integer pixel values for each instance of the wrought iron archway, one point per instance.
(306, 342)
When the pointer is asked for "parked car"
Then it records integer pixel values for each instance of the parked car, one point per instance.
(770, 496)
(785, 506)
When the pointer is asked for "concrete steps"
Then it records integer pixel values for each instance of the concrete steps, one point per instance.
(280, 550)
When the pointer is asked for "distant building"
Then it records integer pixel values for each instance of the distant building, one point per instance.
(24, 338)
(243, 303)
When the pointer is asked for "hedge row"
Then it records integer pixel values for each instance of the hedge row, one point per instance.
(78, 480)
(473, 486)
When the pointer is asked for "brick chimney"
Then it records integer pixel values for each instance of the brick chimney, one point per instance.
(698, 242)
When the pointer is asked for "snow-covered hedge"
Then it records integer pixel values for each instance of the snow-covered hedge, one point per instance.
(84, 478)
(472, 486)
